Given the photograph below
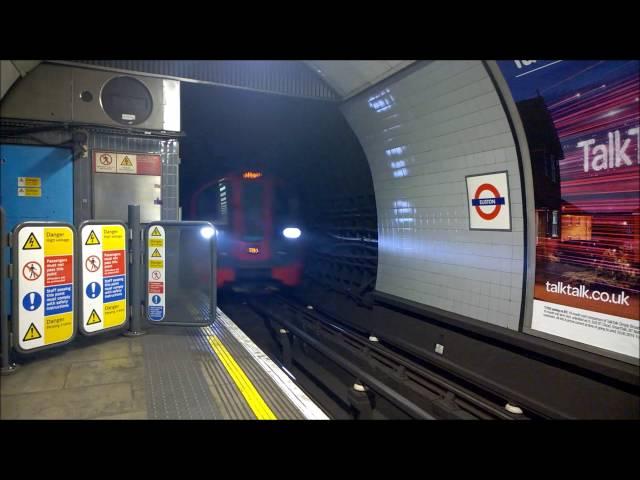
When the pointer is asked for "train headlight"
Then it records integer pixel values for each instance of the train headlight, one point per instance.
(291, 232)
(207, 232)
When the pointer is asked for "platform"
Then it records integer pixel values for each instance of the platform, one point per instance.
(177, 373)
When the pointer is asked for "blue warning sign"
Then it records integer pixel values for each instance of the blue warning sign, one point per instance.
(156, 299)
(156, 312)
(58, 299)
(93, 290)
(32, 301)
(114, 288)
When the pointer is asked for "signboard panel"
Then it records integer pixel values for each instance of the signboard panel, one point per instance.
(488, 201)
(582, 123)
(29, 182)
(29, 192)
(104, 276)
(127, 163)
(156, 294)
(44, 257)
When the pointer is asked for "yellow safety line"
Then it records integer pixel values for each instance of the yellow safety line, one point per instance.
(257, 404)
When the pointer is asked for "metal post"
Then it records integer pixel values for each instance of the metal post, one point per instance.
(286, 347)
(7, 367)
(360, 399)
(135, 281)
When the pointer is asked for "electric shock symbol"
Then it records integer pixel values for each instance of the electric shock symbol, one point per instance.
(31, 243)
(156, 253)
(32, 333)
(126, 162)
(92, 263)
(156, 275)
(93, 239)
(93, 290)
(32, 271)
(156, 233)
(32, 301)
(156, 299)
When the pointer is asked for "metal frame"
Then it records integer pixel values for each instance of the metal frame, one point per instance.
(80, 293)
(15, 300)
(7, 366)
(212, 288)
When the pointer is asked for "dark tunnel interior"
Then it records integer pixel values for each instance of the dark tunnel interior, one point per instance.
(310, 146)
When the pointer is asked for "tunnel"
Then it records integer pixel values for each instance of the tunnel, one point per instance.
(467, 231)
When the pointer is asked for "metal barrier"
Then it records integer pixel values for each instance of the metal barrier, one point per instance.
(7, 366)
(63, 281)
(180, 265)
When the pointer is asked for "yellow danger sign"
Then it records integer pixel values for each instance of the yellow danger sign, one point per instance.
(156, 233)
(58, 241)
(31, 244)
(93, 318)
(29, 192)
(29, 182)
(156, 253)
(32, 333)
(126, 162)
(93, 239)
(113, 237)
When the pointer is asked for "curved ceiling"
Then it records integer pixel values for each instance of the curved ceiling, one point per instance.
(350, 77)
(320, 79)
(11, 70)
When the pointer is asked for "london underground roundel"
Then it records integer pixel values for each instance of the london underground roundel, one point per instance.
(488, 202)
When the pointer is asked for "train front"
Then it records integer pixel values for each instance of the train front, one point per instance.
(259, 234)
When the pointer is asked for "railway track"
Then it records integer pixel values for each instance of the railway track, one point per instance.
(372, 377)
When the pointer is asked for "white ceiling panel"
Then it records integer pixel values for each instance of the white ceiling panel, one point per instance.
(349, 77)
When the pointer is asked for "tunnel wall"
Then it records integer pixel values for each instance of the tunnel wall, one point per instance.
(423, 131)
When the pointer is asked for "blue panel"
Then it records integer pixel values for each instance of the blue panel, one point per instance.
(54, 167)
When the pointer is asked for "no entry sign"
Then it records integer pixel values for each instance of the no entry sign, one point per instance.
(488, 201)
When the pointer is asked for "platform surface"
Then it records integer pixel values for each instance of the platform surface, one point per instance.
(177, 373)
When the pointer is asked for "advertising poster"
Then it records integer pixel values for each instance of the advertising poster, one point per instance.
(581, 119)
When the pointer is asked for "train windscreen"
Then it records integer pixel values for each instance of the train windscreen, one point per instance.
(252, 202)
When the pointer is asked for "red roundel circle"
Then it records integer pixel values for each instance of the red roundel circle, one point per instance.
(496, 209)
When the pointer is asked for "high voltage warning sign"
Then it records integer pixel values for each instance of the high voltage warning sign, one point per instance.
(104, 277)
(45, 286)
(31, 243)
(93, 318)
(93, 239)
(155, 274)
(31, 334)
(126, 162)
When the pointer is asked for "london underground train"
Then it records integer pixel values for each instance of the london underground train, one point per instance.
(259, 236)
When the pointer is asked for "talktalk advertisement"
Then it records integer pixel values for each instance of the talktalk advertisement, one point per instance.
(582, 120)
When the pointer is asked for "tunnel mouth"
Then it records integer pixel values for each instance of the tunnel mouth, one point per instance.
(324, 200)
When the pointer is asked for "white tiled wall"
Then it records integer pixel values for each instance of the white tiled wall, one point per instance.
(422, 135)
